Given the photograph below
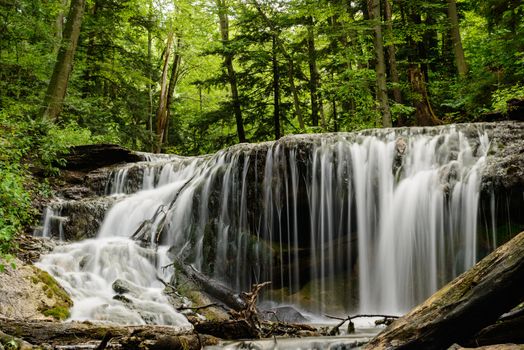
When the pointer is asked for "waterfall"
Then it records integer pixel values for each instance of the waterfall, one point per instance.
(356, 222)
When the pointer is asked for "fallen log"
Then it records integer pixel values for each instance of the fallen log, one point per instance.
(245, 322)
(211, 287)
(464, 306)
(386, 320)
(104, 335)
(229, 330)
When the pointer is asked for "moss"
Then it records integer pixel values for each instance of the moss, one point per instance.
(51, 288)
(57, 312)
(211, 313)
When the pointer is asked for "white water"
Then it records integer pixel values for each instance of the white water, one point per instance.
(365, 223)
(88, 270)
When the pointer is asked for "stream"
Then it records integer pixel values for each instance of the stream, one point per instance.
(370, 222)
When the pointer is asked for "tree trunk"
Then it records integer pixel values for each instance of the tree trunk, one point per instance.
(59, 27)
(393, 70)
(458, 51)
(417, 49)
(380, 68)
(173, 81)
(150, 76)
(161, 112)
(464, 306)
(228, 63)
(291, 65)
(210, 286)
(92, 56)
(294, 91)
(74, 335)
(276, 90)
(57, 87)
(335, 115)
(313, 72)
(424, 115)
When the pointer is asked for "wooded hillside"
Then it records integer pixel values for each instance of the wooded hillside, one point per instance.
(195, 76)
(192, 77)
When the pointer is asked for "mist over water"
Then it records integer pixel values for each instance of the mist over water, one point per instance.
(372, 222)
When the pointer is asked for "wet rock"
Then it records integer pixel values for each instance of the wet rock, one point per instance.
(76, 192)
(285, 314)
(502, 188)
(122, 299)
(505, 163)
(121, 286)
(73, 220)
(30, 247)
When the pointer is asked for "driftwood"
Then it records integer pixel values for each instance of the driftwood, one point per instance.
(386, 320)
(144, 232)
(245, 322)
(104, 336)
(230, 330)
(250, 313)
(210, 286)
(463, 307)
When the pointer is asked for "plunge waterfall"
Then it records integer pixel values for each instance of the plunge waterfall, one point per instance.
(370, 222)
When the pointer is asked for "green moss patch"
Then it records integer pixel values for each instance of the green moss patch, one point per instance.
(62, 301)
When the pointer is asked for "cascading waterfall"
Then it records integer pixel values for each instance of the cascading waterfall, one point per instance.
(51, 215)
(371, 222)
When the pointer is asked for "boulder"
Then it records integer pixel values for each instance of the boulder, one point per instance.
(286, 314)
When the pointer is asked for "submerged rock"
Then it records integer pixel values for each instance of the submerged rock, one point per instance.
(286, 314)
(121, 286)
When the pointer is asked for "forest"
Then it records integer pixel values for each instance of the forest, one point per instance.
(194, 76)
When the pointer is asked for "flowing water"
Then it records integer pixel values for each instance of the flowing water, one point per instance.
(370, 222)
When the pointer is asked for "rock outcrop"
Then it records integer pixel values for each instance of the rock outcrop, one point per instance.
(26, 292)
(91, 170)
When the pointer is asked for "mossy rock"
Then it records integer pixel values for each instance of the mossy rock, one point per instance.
(61, 302)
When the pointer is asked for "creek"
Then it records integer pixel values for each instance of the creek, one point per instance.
(370, 222)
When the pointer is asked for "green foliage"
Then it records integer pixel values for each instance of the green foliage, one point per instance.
(15, 202)
(401, 111)
(502, 95)
(28, 146)
(114, 88)
(113, 91)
